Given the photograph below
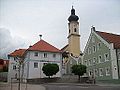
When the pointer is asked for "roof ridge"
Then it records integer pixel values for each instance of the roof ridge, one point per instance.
(110, 38)
(42, 45)
(108, 33)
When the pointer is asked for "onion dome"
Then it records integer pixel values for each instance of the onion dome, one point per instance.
(73, 17)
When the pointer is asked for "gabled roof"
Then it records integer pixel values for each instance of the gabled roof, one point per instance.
(110, 38)
(43, 46)
(19, 53)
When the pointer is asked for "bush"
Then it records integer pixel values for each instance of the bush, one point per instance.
(79, 70)
(50, 69)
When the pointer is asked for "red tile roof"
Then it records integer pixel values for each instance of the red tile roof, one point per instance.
(2, 61)
(43, 46)
(110, 38)
(18, 53)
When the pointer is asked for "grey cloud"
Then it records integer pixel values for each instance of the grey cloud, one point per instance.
(9, 43)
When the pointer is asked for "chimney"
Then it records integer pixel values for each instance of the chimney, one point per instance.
(93, 28)
(40, 36)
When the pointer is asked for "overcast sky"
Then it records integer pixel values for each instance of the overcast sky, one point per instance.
(24, 20)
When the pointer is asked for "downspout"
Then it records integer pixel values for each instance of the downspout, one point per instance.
(117, 64)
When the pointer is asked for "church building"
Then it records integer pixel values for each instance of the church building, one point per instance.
(71, 52)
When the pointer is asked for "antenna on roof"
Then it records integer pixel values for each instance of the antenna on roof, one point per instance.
(40, 36)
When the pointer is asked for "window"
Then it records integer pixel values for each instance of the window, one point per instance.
(14, 67)
(35, 65)
(54, 55)
(75, 30)
(44, 64)
(101, 71)
(94, 60)
(95, 72)
(90, 62)
(89, 50)
(90, 73)
(100, 58)
(36, 54)
(69, 30)
(106, 56)
(94, 48)
(93, 39)
(45, 55)
(14, 58)
(107, 70)
(99, 45)
(85, 62)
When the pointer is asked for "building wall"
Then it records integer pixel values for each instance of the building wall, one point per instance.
(74, 38)
(74, 45)
(94, 65)
(13, 69)
(118, 57)
(33, 72)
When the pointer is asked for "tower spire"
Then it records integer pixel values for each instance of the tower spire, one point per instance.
(73, 17)
(72, 6)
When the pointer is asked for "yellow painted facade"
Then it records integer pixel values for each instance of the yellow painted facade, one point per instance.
(74, 38)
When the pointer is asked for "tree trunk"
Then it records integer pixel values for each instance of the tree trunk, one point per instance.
(79, 78)
(48, 76)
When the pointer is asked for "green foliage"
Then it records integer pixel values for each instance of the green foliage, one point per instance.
(79, 69)
(50, 69)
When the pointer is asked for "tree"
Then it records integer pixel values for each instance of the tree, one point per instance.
(79, 70)
(50, 69)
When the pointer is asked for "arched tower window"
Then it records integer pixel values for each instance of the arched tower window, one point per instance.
(75, 30)
(69, 30)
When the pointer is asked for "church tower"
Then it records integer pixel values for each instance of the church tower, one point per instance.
(73, 36)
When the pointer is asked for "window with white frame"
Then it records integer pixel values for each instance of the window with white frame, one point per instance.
(94, 60)
(35, 64)
(94, 48)
(99, 45)
(93, 39)
(14, 67)
(45, 55)
(107, 70)
(100, 71)
(90, 62)
(36, 54)
(90, 73)
(89, 50)
(85, 62)
(44, 64)
(54, 55)
(106, 56)
(100, 58)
